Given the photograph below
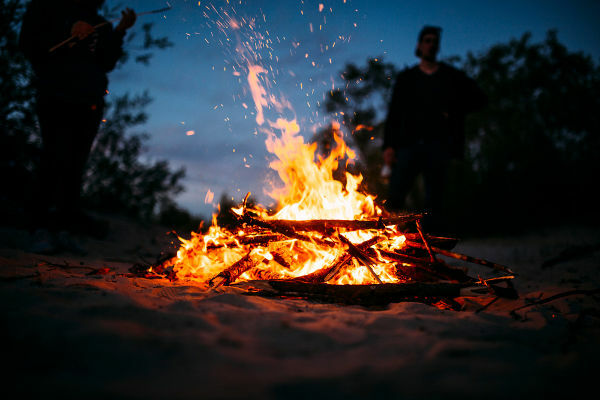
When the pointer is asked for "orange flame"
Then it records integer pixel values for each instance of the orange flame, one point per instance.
(309, 192)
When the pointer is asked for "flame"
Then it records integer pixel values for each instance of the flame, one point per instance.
(308, 192)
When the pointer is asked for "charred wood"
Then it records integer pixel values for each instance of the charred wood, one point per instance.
(367, 295)
(230, 274)
(328, 225)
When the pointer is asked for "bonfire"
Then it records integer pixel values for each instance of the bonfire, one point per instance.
(325, 236)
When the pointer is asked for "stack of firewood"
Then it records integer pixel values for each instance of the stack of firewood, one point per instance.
(424, 275)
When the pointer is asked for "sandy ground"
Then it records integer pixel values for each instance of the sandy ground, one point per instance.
(67, 333)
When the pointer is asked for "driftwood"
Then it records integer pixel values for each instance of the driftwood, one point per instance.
(366, 295)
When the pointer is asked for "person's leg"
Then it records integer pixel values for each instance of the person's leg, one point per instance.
(68, 131)
(404, 172)
(50, 189)
(81, 134)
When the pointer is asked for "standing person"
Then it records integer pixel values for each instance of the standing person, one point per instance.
(71, 83)
(424, 128)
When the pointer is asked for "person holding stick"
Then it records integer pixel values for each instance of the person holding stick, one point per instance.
(71, 82)
(424, 128)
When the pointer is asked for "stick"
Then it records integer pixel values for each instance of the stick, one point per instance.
(255, 239)
(230, 274)
(418, 222)
(557, 296)
(341, 261)
(165, 9)
(366, 260)
(367, 295)
(290, 233)
(325, 225)
(463, 257)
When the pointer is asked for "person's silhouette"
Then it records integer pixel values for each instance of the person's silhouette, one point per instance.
(424, 128)
(71, 82)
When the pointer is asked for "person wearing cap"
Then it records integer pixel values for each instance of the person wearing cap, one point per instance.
(424, 128)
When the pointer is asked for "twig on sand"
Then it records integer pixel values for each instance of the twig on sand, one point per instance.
(557, 296)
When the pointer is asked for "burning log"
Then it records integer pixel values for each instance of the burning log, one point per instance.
(230, 274)
(362, 257)
(253, 239)
(329, 225)
(343, 260)
(327, 273)
(418, 223)
(288, 232)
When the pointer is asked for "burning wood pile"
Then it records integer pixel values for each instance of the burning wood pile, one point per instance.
(367, 261)
(327, 240)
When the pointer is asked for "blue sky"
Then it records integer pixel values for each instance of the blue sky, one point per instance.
(195, 89)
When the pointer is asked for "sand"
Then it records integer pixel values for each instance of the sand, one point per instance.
(71, 334)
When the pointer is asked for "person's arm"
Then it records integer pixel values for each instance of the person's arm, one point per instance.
(111, 48)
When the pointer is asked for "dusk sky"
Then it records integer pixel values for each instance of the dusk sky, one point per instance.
(196, 88)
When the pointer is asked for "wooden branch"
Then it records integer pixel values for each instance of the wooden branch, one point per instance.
(327, 225)
(286, 231)
(418, 223)
(557, 296)
(366, 295)
(438, 269)
(445, 243)
(405, 258)
(327, 273)
(230, 274)
(360, 256)
(344, 259)
(254, 239)
(463, 257)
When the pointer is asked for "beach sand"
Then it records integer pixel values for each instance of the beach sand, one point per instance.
(79, 327)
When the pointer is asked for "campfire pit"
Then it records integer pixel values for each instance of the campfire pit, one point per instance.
(369, 262)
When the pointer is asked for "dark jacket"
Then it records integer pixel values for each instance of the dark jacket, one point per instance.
(427, 108)
(70, 73)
